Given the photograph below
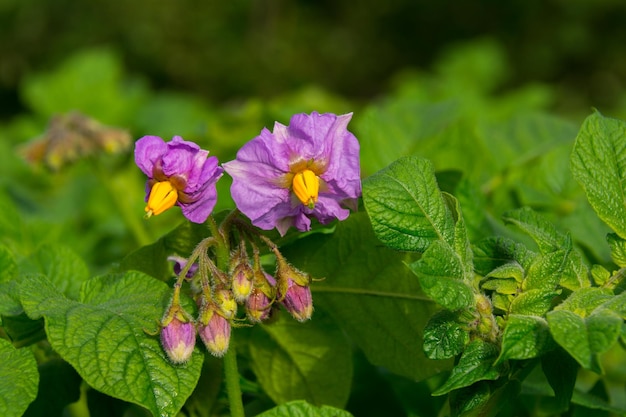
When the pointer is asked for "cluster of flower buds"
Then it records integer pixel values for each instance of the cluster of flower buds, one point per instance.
(245, 295)
(73, 136)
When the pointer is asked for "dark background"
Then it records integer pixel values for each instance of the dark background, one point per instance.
(229, 49)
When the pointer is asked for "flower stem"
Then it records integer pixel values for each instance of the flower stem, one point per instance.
(231, 374)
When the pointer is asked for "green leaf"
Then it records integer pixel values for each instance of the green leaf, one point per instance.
(542, 231)
(503, 286)
(594, 402)
(8, 266)
(574, 273)
(475, 364)
(598, 163)
(616, 304)
(60, 385)
(9, 300)
(445, 336)
(600, 275)
(546, 271)
(618, 249)
(370, 293)
(604, 328)
(310, 361)
(102, 336)
(304, 409)
(524, 337)
(501, 302)
(21, 330)
(508, 270)
(19, 379)
(585, 338)
(561, 371)
(440, 274)
(406, 207)
(61, 265)
(468, 399)
(534, 302)
(584, 301)
(494, 252)
(570, 332)
(462, 246)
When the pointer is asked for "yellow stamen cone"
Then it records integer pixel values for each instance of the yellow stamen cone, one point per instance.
(163, 196)
(306, 186)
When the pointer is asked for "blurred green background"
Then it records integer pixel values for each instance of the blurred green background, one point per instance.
(227, 50)
(474, 86)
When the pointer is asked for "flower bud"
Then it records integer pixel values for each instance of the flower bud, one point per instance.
(286, 273)
(297, 300)
(178, 338)
(242, 281)
(259, 304)
(214, 330)
(226, 303)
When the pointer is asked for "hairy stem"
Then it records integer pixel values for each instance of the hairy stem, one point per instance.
(231, 373)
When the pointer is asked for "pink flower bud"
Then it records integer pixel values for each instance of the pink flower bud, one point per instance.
(214, 330)
(258, 306)
(178, 339)
(297, 300)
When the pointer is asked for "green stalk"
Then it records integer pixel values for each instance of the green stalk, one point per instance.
(231, 373)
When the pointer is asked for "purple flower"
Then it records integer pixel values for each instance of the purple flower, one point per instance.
(178, 338)
(179, 173)
(307, 169)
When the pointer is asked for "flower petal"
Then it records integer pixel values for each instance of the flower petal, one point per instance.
(204, 200)
(148, 151)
